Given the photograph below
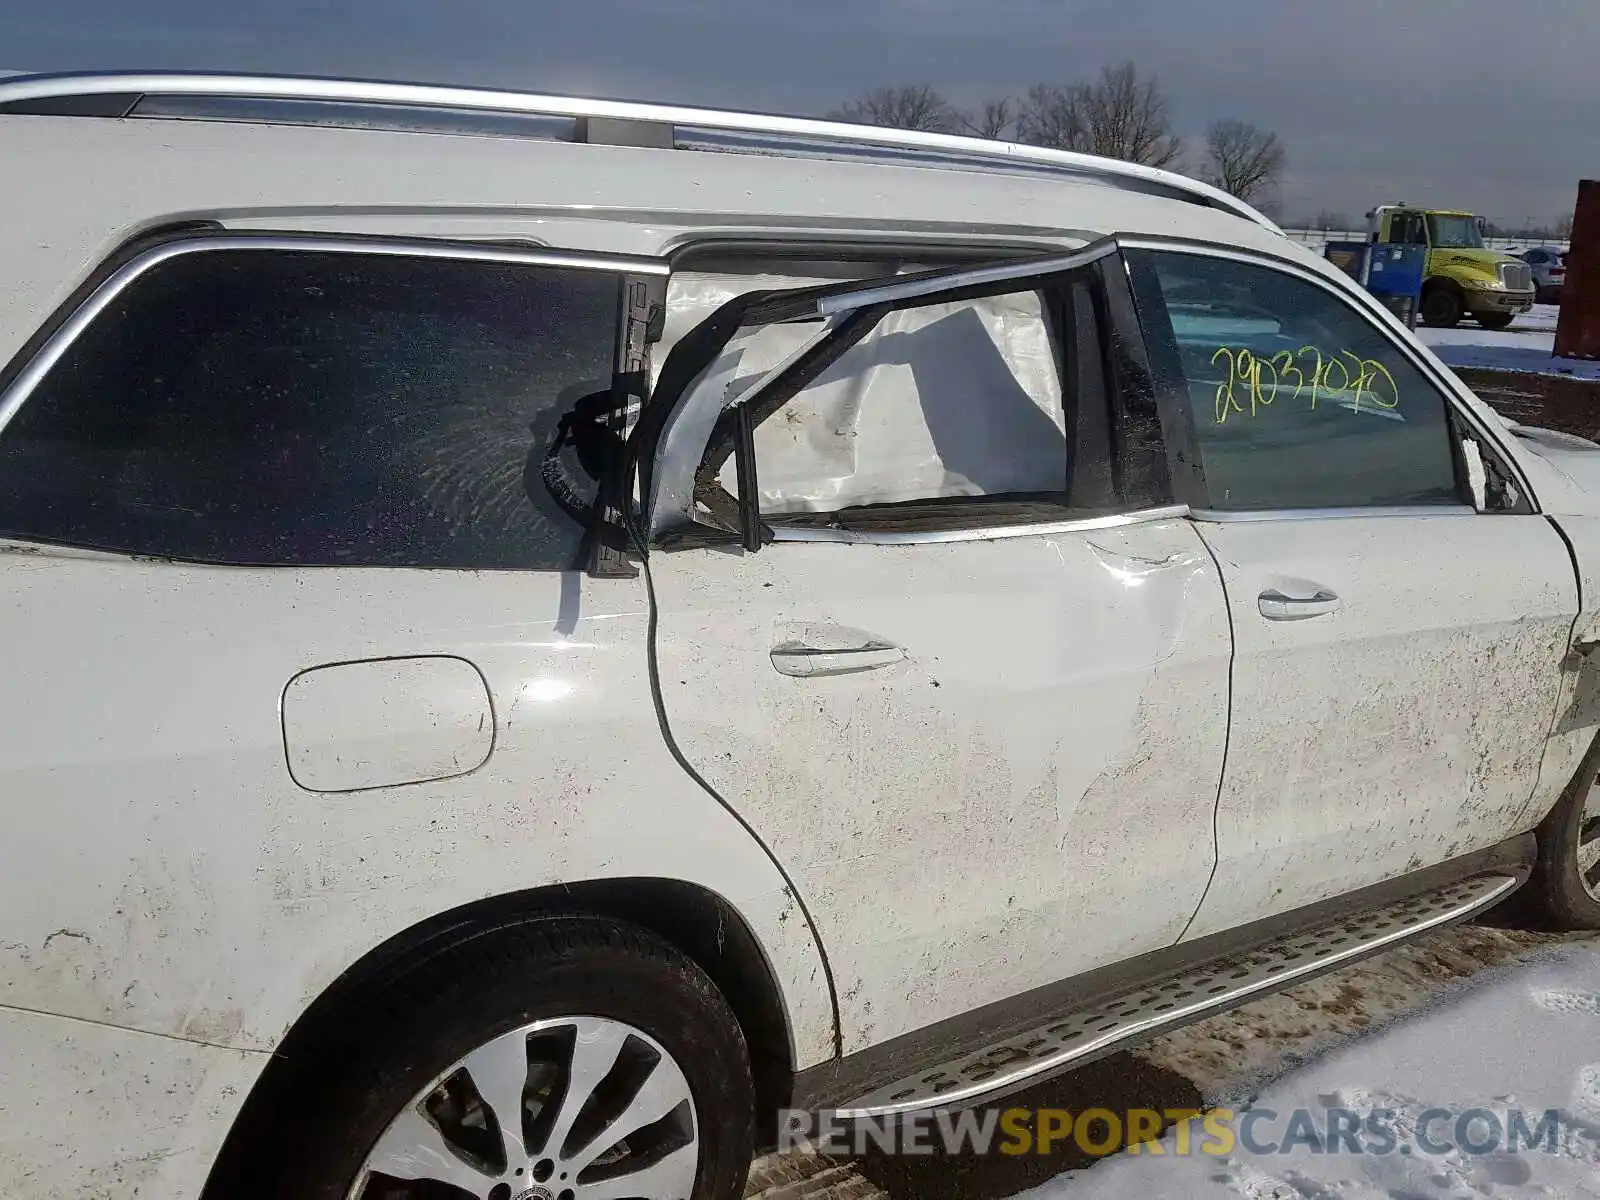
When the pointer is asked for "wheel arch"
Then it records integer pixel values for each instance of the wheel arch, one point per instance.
(1437, 286)
(1443, 283)
(700, 924)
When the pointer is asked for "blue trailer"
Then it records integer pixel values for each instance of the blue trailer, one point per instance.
(1391, 272)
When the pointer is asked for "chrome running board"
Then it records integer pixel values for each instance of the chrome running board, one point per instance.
(1072, 1038)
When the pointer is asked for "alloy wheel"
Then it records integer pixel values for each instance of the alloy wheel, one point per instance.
(1589, 842)
(571, 1108)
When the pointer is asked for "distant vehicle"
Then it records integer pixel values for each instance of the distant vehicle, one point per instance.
(1549, 265)
(1464, 277)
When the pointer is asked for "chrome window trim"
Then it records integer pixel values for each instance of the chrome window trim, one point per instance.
(56, 347)
(1364, 303)
(986, 533)
(1027, 268)
(1334, 514)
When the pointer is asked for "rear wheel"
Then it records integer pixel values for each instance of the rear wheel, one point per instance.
(1442, 307)
(1496, 320)
(1566, 882)
(568, 1059)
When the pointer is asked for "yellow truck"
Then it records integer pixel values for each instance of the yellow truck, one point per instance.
(1463, 276)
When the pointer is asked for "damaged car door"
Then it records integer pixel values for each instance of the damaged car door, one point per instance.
(1400, 612)
(931, 623)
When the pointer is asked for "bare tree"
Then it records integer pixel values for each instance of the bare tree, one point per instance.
(994, 119)
(1121, 115)
(913, 107)
(1243, 159)
(1053, 116)
(1128, 118)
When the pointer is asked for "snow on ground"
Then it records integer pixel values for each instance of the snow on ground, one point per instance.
(1221, 1061)
(1229, 1057)
(1526, 347)
(1528, 1039)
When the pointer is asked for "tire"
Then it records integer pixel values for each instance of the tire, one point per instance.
(1569, 839)
(1442, 308)
(612, 993)
(1496, 320)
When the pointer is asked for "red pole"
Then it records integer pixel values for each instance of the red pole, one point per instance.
(1578, 330)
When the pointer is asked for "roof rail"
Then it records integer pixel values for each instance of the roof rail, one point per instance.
(119, 94)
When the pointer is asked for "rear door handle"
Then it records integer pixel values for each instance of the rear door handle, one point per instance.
(808, 662)
(1275, 606)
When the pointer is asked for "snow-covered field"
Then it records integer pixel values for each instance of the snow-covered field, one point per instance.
(1527, 1039)
(1527, 346)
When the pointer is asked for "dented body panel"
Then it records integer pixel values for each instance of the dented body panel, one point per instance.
(1400, 731)
(1026, 795)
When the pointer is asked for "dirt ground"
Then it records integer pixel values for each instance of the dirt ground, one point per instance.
(1548, 401)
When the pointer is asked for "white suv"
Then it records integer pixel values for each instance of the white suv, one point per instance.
(536, 638)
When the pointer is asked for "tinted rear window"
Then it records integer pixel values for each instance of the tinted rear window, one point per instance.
(315, 408)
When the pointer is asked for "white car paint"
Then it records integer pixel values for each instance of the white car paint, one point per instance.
(158, 1108)
(174, 899)
(1399, 731)
(212, 897)
(1566, 469)
(1026, 795)
(386, 722)
(1565, 474)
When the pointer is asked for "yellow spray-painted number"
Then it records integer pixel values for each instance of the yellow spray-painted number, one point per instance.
(1253, 382)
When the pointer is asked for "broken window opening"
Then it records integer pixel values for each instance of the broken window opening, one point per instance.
(935, 399)
(929, 416)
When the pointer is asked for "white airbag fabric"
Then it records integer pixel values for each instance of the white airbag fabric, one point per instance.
(943, 400)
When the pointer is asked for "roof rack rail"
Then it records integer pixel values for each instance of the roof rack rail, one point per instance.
(120, 94)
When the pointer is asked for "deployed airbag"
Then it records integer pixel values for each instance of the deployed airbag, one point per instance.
(941, 400)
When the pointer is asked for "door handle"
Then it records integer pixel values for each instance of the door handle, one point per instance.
(1275, 606)
(809, 662)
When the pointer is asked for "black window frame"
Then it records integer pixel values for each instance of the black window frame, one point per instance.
(1105, 376)
(640, 283)
(1155, 330)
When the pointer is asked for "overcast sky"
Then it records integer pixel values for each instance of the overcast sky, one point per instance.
(1492, 105)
